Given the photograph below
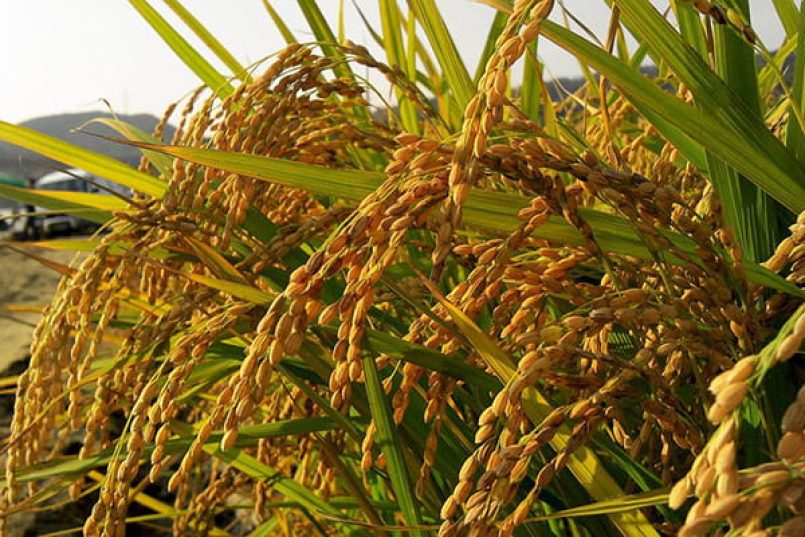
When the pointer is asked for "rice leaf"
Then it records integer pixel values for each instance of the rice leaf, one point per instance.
(387, 438)
(160, 161)
(239, 290)
(787, 14)
(494, 211)
(93, 207)
(531, 87)
(714, 96)
(286, 33)
(72, 155)
(248, 436)
(444, 48)
(498, 23)
(742, 142)
(213, 259)
(286, 486)
(184, 50)
(53, 265)
(794, 138)
(769, 73)
(396, 56)
(208, 39)
(749, 211)
(339, 183)
(325, 36)
(621, 504)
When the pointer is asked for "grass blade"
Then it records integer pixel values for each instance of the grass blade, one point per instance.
(494, 211)
(386, 438)
(396, 56)
(72, 155)
(444, 48)
(160, 161)
(248, 436)
(746, 145)
(94, 207)
(498, 23)
(794, 137)
(325, 36)
(788, 15)
(531, 88)
(615, 505)
(208, 39)
(184, 50)
(747, 209)
(286, 33)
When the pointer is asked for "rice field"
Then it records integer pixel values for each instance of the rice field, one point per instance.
(478, 310)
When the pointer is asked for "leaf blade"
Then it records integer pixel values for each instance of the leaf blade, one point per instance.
(183, 50)
(78, 157)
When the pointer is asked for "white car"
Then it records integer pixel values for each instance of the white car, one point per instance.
(12, 222)
(12, 226)
(71, 180)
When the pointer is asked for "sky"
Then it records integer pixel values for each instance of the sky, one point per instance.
(67, 56)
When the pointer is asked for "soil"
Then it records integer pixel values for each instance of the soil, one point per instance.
(26, 283)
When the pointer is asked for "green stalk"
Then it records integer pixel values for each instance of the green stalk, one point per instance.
(391, 446)
(794, 138)
(750, 211)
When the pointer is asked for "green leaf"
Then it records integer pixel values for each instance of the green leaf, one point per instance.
(494, 211)
(387, 438)
(248, 436)
(747, 209)
(795, 139)
(788, 15)
(286, 33)
(740, 139)
(208, 39)
(215, 261)
(531, 88)
(498, 23)
(396, 56)
(184, 50)
(72, 155)
(347, 184)
(769, 73)
(94, 207)
(431, 360)
(621, 504)
(160, 161)
(239, 290)
(286, 486)
(325, 36)
(67, 245)
(453, 68)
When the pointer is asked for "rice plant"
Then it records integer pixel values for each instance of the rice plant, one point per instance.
(475, 310)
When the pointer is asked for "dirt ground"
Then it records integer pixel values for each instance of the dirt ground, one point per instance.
(23, 282)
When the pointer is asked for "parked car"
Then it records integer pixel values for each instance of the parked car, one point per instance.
(14, 221)
(72, 181)
(12, 225)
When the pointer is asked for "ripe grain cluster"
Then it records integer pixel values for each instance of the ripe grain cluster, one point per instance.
(452, 346)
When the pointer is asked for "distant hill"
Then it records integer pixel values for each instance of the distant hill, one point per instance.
(22, 163)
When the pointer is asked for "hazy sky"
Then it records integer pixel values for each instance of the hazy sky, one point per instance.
(59, 55)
